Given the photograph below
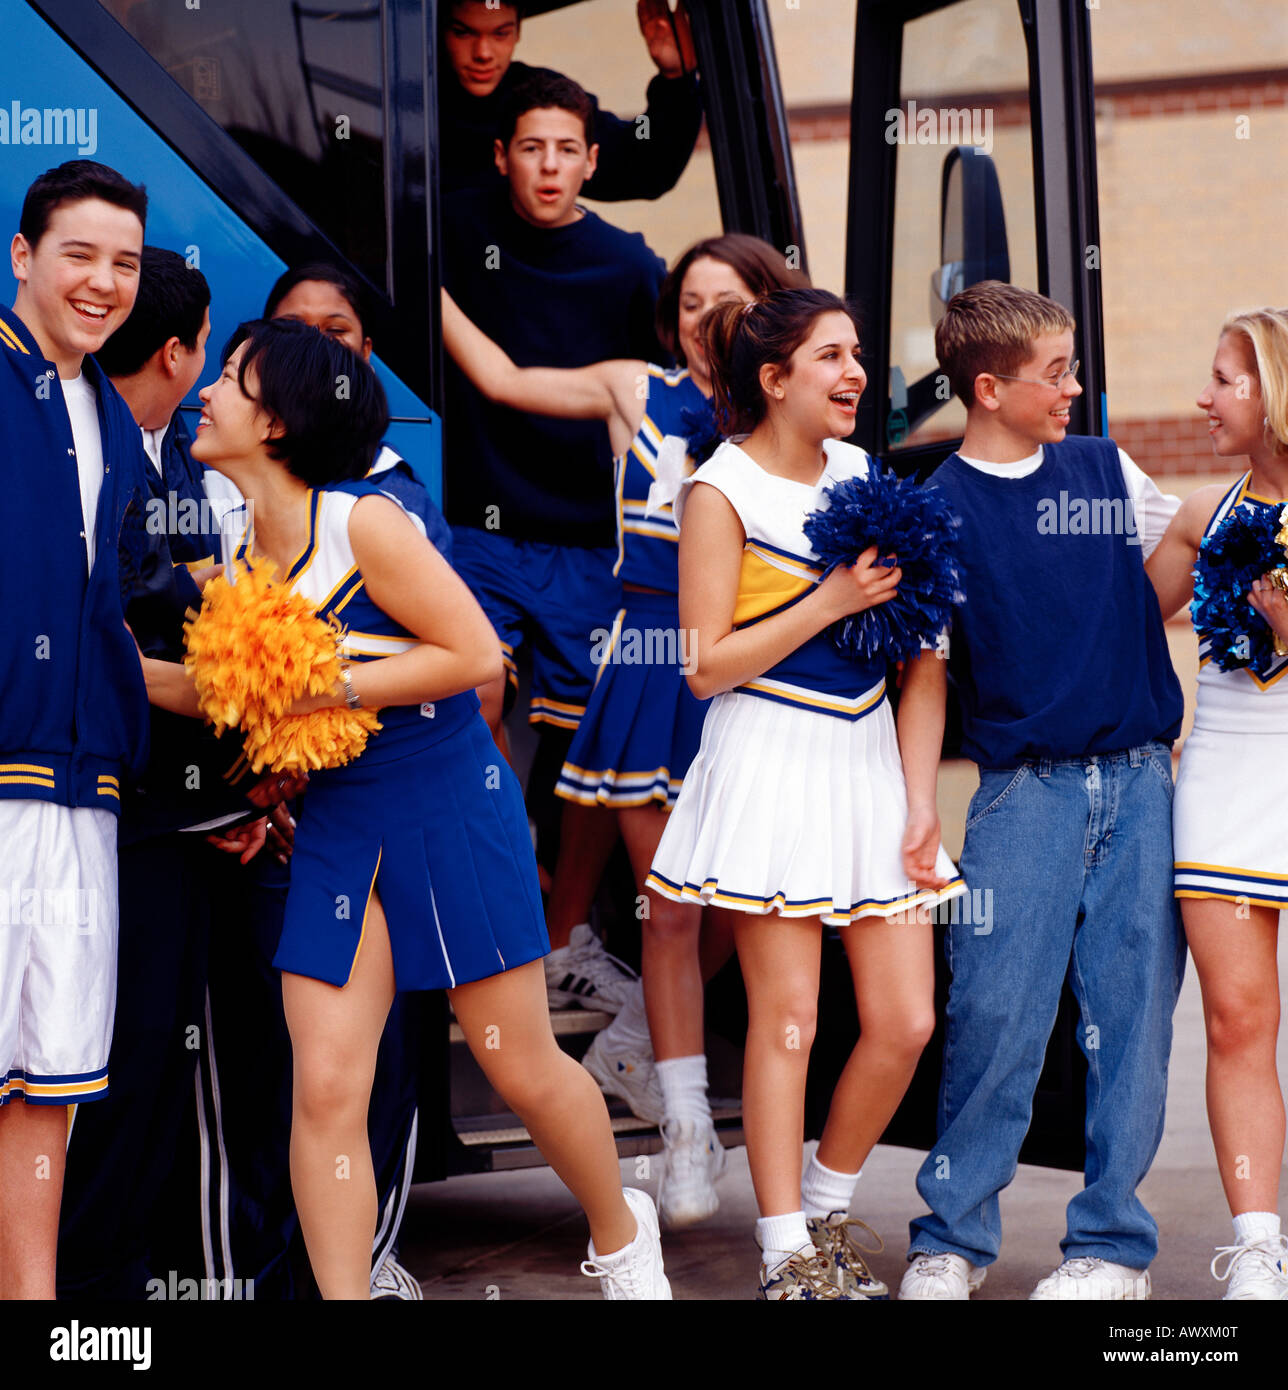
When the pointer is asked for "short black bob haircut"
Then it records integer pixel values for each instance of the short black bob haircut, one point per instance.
(171, 303)
(329, 402)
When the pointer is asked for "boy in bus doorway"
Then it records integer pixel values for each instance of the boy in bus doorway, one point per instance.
(1069, 706)
(530, 497)
(639, 158)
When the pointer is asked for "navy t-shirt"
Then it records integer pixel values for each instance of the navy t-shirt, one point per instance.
(551, 297)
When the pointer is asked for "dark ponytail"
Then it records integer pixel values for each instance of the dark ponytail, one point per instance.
(740, 339)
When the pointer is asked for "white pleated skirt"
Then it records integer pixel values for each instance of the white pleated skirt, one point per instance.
(1229, 822)
(788, 811)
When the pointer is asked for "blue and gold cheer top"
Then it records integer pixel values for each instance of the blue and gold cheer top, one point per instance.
(779, 567)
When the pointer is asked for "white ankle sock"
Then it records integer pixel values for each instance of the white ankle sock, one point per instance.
(684, 1088)
(824, 1191)
(781, 1237)
(1250, 1226)
(629, 1030)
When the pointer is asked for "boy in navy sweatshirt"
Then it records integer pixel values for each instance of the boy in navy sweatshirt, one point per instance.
(73, 708)
(1069, 706)
(640, 158)
(531, 497)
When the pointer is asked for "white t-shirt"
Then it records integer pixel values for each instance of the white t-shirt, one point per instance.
(152, 441)
(82, 410)
(1152, 508)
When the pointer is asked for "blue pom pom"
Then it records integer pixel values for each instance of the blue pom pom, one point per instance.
(914, 524)
(700, 432)
(1240, 550)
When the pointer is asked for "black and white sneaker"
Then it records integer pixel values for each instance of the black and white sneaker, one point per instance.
(392, 1281)
(583, 973)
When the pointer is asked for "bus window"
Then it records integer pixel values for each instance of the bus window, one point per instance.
(964, 81)
(301, 88)
(816, 67)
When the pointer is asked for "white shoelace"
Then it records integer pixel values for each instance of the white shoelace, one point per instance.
(1254, 1251)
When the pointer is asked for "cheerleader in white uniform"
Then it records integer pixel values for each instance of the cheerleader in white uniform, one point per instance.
(1230, 825)
(803, 806)
(642, 725)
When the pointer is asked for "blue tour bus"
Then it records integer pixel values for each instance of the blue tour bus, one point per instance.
(226, 112)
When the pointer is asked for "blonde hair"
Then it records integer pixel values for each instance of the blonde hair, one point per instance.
(991, 327)
(1266, 330)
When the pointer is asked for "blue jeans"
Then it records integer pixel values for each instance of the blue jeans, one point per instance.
(1078, 858)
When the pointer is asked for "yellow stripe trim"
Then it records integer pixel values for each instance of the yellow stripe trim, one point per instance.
(45, 1088)
(326, 602)
(27, 767)
(815, 702)
(1242, 898)
(107, 777)
(12, 339)
(366, 912)
(28, 782)
(1226, 869)
(560, 706)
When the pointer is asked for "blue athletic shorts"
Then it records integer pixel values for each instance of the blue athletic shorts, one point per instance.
(556, 596)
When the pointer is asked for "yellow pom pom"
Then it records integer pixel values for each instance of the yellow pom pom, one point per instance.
(254, 649)
(308, 742)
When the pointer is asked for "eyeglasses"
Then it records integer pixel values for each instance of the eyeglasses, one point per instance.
(1057, 382)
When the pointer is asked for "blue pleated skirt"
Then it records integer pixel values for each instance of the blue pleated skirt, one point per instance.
(642, 725)
(440, 831)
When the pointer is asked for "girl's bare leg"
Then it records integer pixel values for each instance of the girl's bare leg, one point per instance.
(1235, 953)
(506, 1023)
(335, 1034)
(894, 988)
(780, 960)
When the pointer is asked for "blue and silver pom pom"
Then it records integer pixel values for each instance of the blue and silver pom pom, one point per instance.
(915, 525)
(1242, 549)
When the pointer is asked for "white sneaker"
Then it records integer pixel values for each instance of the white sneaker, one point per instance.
(626, 1072)
(1086, 1276)
(392, 1281)
(634, 1272)
(941, 1277)
(584, 973)
(693, 1160)
(1256, 1269)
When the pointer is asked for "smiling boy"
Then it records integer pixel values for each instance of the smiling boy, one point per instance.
(1069, 706)
(73, 710)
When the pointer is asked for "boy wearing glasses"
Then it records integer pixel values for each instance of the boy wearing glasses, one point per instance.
(1069, 705)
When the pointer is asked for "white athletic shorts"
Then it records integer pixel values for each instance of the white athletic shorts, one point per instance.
(58, 921)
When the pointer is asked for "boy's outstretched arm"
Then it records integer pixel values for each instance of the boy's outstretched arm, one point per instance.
(922, 704)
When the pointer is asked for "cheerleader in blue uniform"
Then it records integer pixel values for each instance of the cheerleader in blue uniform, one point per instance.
(1230, 843)
(804, 806)
(413, 866)
(642, 724)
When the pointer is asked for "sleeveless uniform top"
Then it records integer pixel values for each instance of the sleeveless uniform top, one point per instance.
(326, 573)
(1242, 701)
(656, 462)
(779, 567)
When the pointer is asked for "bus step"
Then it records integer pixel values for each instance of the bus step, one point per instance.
(510, 1146)
(563, 1022)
